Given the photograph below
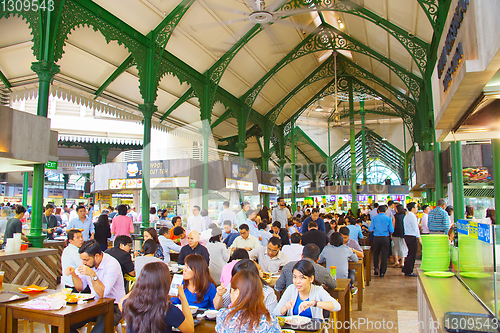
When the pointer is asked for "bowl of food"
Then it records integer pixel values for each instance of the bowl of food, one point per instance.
(297, 320)
(193, 309)
(211, 314)
(281, 321)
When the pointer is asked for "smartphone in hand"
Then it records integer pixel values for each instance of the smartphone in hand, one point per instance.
(176, 281)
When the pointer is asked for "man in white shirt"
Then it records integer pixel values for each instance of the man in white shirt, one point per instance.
(70, 256)
(322, 210)
(167, 244)
(270, 258)
(294, 250)
(280, 213)
(424, 222)
(245, 240)
(196, 221)
(226, 215)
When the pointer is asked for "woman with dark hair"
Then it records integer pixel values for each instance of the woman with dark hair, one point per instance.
(223, 299)
(219, 254)
(148, 307)
(149, 249)
(341, 221)
(153, 217)
(304, 297)
(490, 213)
(176, 222)
(328, 229)
(399, 249)
(199, 286)
(150, 233)
(247, 312)
(238, 254)
(102, 231)
(264, 214)
(122, 224)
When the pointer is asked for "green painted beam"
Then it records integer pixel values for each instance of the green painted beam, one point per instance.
(184, 98)
(226, 115)
(304, 154)
(126, 64)
(5, 81)
(301, 136)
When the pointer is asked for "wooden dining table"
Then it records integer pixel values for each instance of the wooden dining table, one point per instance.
(358, 267)
(208, 326)
(343, 295)
(60, 320)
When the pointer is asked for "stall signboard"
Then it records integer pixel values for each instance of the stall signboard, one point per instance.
(268, 178)
(123, 195)
(239, 171)
(330, 198)
(362, 198)
(157, 169)
(7, 199)
(235, 184)
(165, 182)
(52, 165)
(479, 231)
(55, 193)
(476, 174)
(267, 189)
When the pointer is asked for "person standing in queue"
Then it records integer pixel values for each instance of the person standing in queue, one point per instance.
(412, 235)
(280, 213)
(82, 222)
(381, 227)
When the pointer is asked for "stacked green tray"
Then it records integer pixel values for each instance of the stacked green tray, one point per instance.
(435, 253)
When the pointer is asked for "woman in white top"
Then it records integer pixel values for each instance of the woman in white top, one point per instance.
(149, 248)
(153, 217)
(223, 298)
(303, 297)
(219, 254)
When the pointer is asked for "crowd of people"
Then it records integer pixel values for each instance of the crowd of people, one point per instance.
(224, 261)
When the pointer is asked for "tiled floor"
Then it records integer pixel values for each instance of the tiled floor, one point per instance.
(382, 301)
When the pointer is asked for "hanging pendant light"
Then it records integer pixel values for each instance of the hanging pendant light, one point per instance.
(384, 138)
(319, 108)
(345, 138)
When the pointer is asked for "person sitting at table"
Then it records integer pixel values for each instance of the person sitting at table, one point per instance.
(167, 244)
(148, 307)
(193, 247)
(149, 249)
(229, 232)
(71, 258)
(321, 274)
(294, 250)
(103, 274)
(270, 258)
(225, 275)
(150, 233)
(247, 312)
(313, 235)
(351, 243)
(14, 225)
(177, 222)
(121, 250)
(218, 252)
(199, 286)
(337, 254)
(303, 297)
(280, 232)
(264, 234)
(245, 240)
(222, 298)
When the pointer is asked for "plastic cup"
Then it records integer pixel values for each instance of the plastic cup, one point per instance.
(1, 277)
(333, 271)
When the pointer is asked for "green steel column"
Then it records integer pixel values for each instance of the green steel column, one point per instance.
(205, 132)
(406, 155)
(241, 152)
(25, 189)
(104, 151)
(495, 143)
(45, 71)
(458, 181)
(363, 138)
(294, 179)
(328, 160)
(65, 182)
(282, 162)
(147, 110)
(438, 170)
(354, 190)
(265, 166)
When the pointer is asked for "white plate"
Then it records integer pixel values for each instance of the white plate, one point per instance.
(297, 320)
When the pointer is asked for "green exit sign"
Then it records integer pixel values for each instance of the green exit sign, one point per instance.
(51, 165)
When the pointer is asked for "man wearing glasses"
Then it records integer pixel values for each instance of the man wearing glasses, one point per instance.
(121, 251)
(270, 258)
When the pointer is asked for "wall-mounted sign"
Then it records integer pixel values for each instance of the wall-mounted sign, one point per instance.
(479, 231)
(235, 184)
(165, 182)
(52, 165)
(267, 189)
(55, 193)
(123, 195)
(239, 171)
(158, 169)
(449, 43)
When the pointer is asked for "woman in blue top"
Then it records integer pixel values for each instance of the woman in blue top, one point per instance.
(148, 308)
(303, 297)
(199, 286)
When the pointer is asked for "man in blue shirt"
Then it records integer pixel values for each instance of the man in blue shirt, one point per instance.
(438, 220)
(82, 222)
(355, 232)
(314, 217)
(381, 227)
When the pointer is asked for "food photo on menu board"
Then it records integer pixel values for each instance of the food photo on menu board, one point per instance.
(478, 173)
(117, 184)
